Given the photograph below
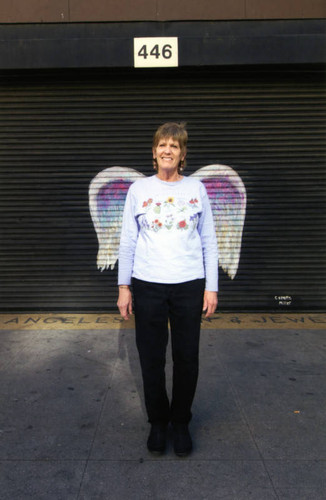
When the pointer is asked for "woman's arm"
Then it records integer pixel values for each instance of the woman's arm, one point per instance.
(206, 229)
(128, 240)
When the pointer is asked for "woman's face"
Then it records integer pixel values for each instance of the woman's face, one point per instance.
(168, 154)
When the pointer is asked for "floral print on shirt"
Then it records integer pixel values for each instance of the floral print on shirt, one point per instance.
(182, 224)
(170, 213)
(156, 225)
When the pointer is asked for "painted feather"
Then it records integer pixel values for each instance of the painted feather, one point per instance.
(107, 195)
(227, 195)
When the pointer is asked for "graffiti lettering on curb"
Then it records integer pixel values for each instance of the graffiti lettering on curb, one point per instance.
(114, 321)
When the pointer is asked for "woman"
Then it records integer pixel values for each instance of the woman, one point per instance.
(168, 252)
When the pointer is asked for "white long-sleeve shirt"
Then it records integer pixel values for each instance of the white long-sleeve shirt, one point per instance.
(168, 233)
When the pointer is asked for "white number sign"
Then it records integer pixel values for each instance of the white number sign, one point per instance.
(155, 52)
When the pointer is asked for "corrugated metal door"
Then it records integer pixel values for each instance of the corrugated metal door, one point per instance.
(59, 129)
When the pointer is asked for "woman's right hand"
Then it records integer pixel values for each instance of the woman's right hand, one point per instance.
(125, 302)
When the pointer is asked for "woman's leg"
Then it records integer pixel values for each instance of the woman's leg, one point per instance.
(185, 308)
(151, 318)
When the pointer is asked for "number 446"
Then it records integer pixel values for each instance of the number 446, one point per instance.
(155, 51)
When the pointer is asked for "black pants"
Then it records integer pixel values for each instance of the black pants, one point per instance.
(155, 305)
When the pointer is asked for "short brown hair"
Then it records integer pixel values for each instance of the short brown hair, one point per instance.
(175, 130)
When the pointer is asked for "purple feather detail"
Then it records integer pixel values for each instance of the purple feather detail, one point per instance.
(112, 194)
(110, 197)
(222, 192)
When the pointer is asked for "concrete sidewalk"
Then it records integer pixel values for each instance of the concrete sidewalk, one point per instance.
(73, 424)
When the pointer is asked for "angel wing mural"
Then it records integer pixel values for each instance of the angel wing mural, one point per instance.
(226, 192)
(107, 194)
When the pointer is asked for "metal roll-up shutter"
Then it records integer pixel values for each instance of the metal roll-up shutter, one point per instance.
(60, 128)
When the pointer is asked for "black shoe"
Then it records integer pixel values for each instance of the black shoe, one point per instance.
(156, 442)
(182, 440)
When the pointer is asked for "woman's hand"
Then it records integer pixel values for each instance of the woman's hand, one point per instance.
(210, 303)
(125, 302)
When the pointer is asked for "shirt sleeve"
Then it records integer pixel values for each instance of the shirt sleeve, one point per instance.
(206, 229)
(128, 240)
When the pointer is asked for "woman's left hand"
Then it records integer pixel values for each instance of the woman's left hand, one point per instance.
(210, 303)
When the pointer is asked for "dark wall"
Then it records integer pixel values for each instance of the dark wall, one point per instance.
(37, 11)
(60, 128)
